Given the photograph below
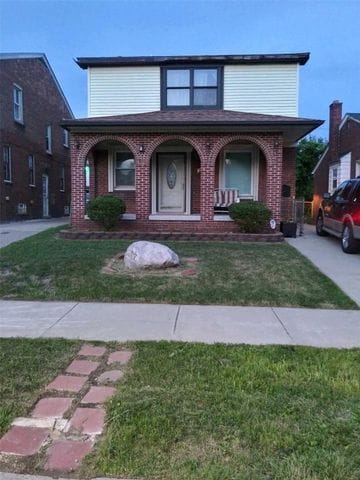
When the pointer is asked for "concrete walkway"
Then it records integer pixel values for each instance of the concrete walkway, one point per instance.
(191, 323)
(14, 231)
(326, 254)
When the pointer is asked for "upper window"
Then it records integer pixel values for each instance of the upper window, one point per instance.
(48, 139)
(124, 171)
(62, 178)
(6, 161)
(66, 137)
(18, 104)
(334, 176)
(31, 163)
(191, 87)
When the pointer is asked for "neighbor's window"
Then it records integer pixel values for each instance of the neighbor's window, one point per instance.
(66, 137)
(357, 168)
(31, 163)
(124, 171)
(334, 176)
(191, 87)
(48, 139)
(6, 160)
(62, 179)
(18, 104)
(238, 173)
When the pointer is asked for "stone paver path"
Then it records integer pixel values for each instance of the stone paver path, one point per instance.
(63, 426)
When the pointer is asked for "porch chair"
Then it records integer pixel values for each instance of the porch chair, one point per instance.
(223, 197)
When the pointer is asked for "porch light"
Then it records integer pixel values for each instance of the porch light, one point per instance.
(141, 148)
(228, 161)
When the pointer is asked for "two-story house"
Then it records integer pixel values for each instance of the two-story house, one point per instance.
(180, 138)
(35, 153)
(341, 159)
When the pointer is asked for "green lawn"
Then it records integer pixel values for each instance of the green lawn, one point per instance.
(48, 268)
(199, 412)
(26, 366)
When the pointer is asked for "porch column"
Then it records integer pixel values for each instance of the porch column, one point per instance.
(207, 187)
(274, 163)
(77, 181)
(142, 186)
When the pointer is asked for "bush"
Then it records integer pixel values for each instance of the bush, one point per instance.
(106, 210)
(252, 217)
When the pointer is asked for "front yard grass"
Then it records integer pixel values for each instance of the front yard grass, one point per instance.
(44, 267)
(26, 366)
(196, 412)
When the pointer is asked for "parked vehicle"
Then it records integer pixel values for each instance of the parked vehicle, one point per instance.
(339, 215)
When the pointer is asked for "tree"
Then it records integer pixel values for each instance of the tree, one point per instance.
(308, 153)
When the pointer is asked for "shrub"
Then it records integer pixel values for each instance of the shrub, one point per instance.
(106, 210)
(252, 217)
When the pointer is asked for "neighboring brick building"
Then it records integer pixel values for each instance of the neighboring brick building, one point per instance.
(35, 154)
(341, 159)
(171, 137)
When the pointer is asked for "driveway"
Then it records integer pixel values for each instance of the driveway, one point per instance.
(14, 231)
(326, 254)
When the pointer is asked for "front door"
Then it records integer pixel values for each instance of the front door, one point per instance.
(171, 182)
(45, 195)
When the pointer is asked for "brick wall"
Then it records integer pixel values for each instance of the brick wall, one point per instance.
(42, 105)
(207, 147)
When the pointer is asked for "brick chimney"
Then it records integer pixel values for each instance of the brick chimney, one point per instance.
(334, 122)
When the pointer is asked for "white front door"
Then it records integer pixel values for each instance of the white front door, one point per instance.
(45, 195)
(171, 182)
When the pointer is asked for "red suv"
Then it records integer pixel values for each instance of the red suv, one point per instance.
(339, 215)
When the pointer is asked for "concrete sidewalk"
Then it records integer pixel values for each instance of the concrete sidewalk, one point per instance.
(326, 254)
(191, 323)
(13, 231)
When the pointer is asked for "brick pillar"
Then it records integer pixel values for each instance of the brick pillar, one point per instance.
(77, 183)
(207, 187)
(92, 186)
(274, 162)
(143, 187)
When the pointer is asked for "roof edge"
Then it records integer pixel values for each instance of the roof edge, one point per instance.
(320, 160)
(299, 58)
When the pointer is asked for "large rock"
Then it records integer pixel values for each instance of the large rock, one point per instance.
(150, 255)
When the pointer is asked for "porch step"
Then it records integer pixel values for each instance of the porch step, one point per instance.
(169, 236)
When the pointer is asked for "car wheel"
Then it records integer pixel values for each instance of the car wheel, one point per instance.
(320, 226)
(348, 242)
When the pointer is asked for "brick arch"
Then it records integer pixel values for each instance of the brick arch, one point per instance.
(166, 138)
(262, 143)
(85, 149)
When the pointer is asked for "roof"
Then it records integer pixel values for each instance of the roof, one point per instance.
(42, 57)
(300, 58)
(198, 120)
(354, 115)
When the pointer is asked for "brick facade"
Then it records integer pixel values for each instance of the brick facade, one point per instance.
(42, 105)
(204, 177)
(341, 141)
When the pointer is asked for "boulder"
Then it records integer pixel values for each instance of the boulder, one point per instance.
(150, 255)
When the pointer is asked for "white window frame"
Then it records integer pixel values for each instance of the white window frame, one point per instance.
(254, 151)
(111, 171)
(18, 104)
(66, 138)
(8, 149)
(331, 177)
(62, 178)
(33, 169)
(357, 168)
(48, 139)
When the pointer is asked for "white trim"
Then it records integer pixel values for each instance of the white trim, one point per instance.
(180, 217)
(254, 168)
(183, 148)
(320, 160)
(357, 168)
(20, 105)
(8, 147)
(48, 139)
(33, 169)
(346, 118)
(66, 138)
(331, 189)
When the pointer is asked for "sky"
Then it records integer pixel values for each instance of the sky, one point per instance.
(66, 29)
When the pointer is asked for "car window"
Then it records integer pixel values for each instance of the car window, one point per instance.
(339, 189)
(343, 191)
(356, 195)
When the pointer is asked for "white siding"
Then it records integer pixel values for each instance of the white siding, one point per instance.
(123, 90)
(345, 163)
(267, 89)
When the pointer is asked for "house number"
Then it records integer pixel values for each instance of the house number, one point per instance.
(171, 175)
